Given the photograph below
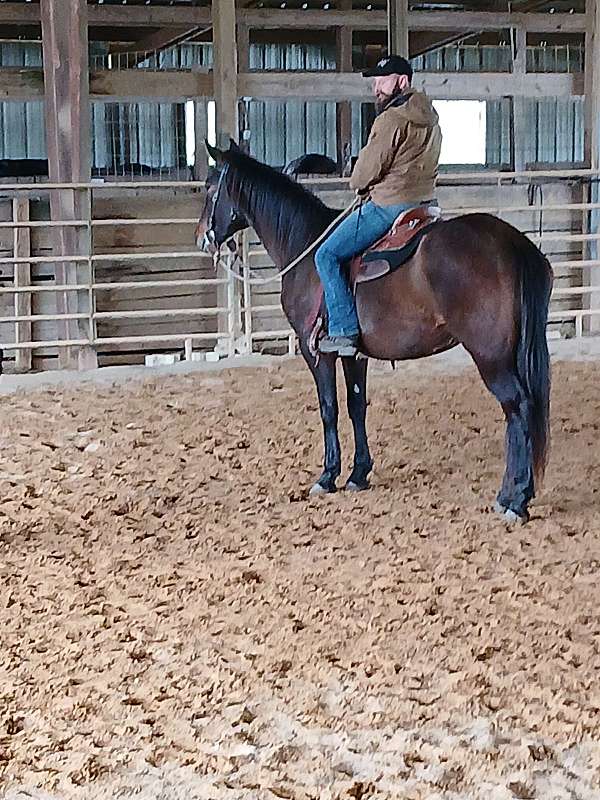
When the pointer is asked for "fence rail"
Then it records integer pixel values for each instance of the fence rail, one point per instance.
(115, 299)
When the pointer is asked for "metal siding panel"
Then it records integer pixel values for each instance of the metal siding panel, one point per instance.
(100, 147)
(544, 149)
(493, 133)
(35, 129)
(331, 130)
(274, 144)
(564, 131)
(15, 130)
(295, 131)
(530, 153)
(316, 132)
(578, 129)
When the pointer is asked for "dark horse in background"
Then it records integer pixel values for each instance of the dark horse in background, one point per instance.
(474, 280)
(311, 164)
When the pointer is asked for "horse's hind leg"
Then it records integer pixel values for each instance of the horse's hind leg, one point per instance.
(355, 373)
(518, 484)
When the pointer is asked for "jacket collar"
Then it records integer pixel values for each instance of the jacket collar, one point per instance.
(398, 100)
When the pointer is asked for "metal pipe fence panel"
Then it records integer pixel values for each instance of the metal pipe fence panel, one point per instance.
(143, 287)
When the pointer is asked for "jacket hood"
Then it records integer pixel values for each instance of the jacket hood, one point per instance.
(415, 107)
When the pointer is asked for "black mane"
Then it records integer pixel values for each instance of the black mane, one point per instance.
(295, 215)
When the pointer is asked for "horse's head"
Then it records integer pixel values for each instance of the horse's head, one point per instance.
(220, 219)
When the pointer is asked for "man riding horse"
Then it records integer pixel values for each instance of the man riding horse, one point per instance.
(395, 171)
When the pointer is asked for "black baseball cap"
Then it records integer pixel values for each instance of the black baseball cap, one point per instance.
(390, 65)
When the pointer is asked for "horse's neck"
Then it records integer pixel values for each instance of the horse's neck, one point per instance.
(283, 249)
(277, 250)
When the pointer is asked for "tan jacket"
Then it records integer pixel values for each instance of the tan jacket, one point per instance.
(399, 163)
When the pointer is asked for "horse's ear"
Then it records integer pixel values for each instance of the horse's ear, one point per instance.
(234, 146)
(217, 155)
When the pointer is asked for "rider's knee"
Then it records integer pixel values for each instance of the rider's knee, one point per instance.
(324, 257)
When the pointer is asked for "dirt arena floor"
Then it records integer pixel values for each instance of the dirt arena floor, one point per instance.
(178, 621)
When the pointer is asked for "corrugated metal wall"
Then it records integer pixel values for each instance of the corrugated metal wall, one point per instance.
(22, 126)
(154, 133)
(282, 131)
(557, 127)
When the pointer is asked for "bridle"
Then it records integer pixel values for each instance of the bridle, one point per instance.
(233, 214)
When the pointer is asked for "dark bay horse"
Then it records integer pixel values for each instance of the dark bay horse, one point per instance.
(474, 280)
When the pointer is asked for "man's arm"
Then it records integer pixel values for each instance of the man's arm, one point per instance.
(377, 156)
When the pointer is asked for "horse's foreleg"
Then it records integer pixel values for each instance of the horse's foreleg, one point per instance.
(324, 375)
(355, 373)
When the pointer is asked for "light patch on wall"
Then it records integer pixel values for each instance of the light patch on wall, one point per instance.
(190, 133)
(463, 124)
(211, 126)
(190, 130)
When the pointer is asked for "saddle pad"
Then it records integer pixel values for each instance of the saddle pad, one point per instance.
(375, 264)
(396, 247)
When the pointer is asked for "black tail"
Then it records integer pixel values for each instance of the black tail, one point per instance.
(533, 359)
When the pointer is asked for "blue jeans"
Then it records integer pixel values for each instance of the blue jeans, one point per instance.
(352, 236)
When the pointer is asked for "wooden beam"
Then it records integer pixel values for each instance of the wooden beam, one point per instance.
(113, 16)
(19, 14)
(225, 70)
(68, 136)
(147, 16)
(136, 84)
(398, 27)
(133, 16)
(417, 20)
(155, 85)
(114, 85)
(439, 85)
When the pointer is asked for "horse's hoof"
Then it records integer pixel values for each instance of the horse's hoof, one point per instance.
(317, 490)
(512, 518)
(351, 486)
(509, 516)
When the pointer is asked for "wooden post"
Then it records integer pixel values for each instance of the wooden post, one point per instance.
(248, 343)
(66, 80)
(22, 278)
(344, 109)
(520, 130)
(592, 145)
(592, 84)
(225, 70)
(398, 27)
(243, 47)
(200, 132)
